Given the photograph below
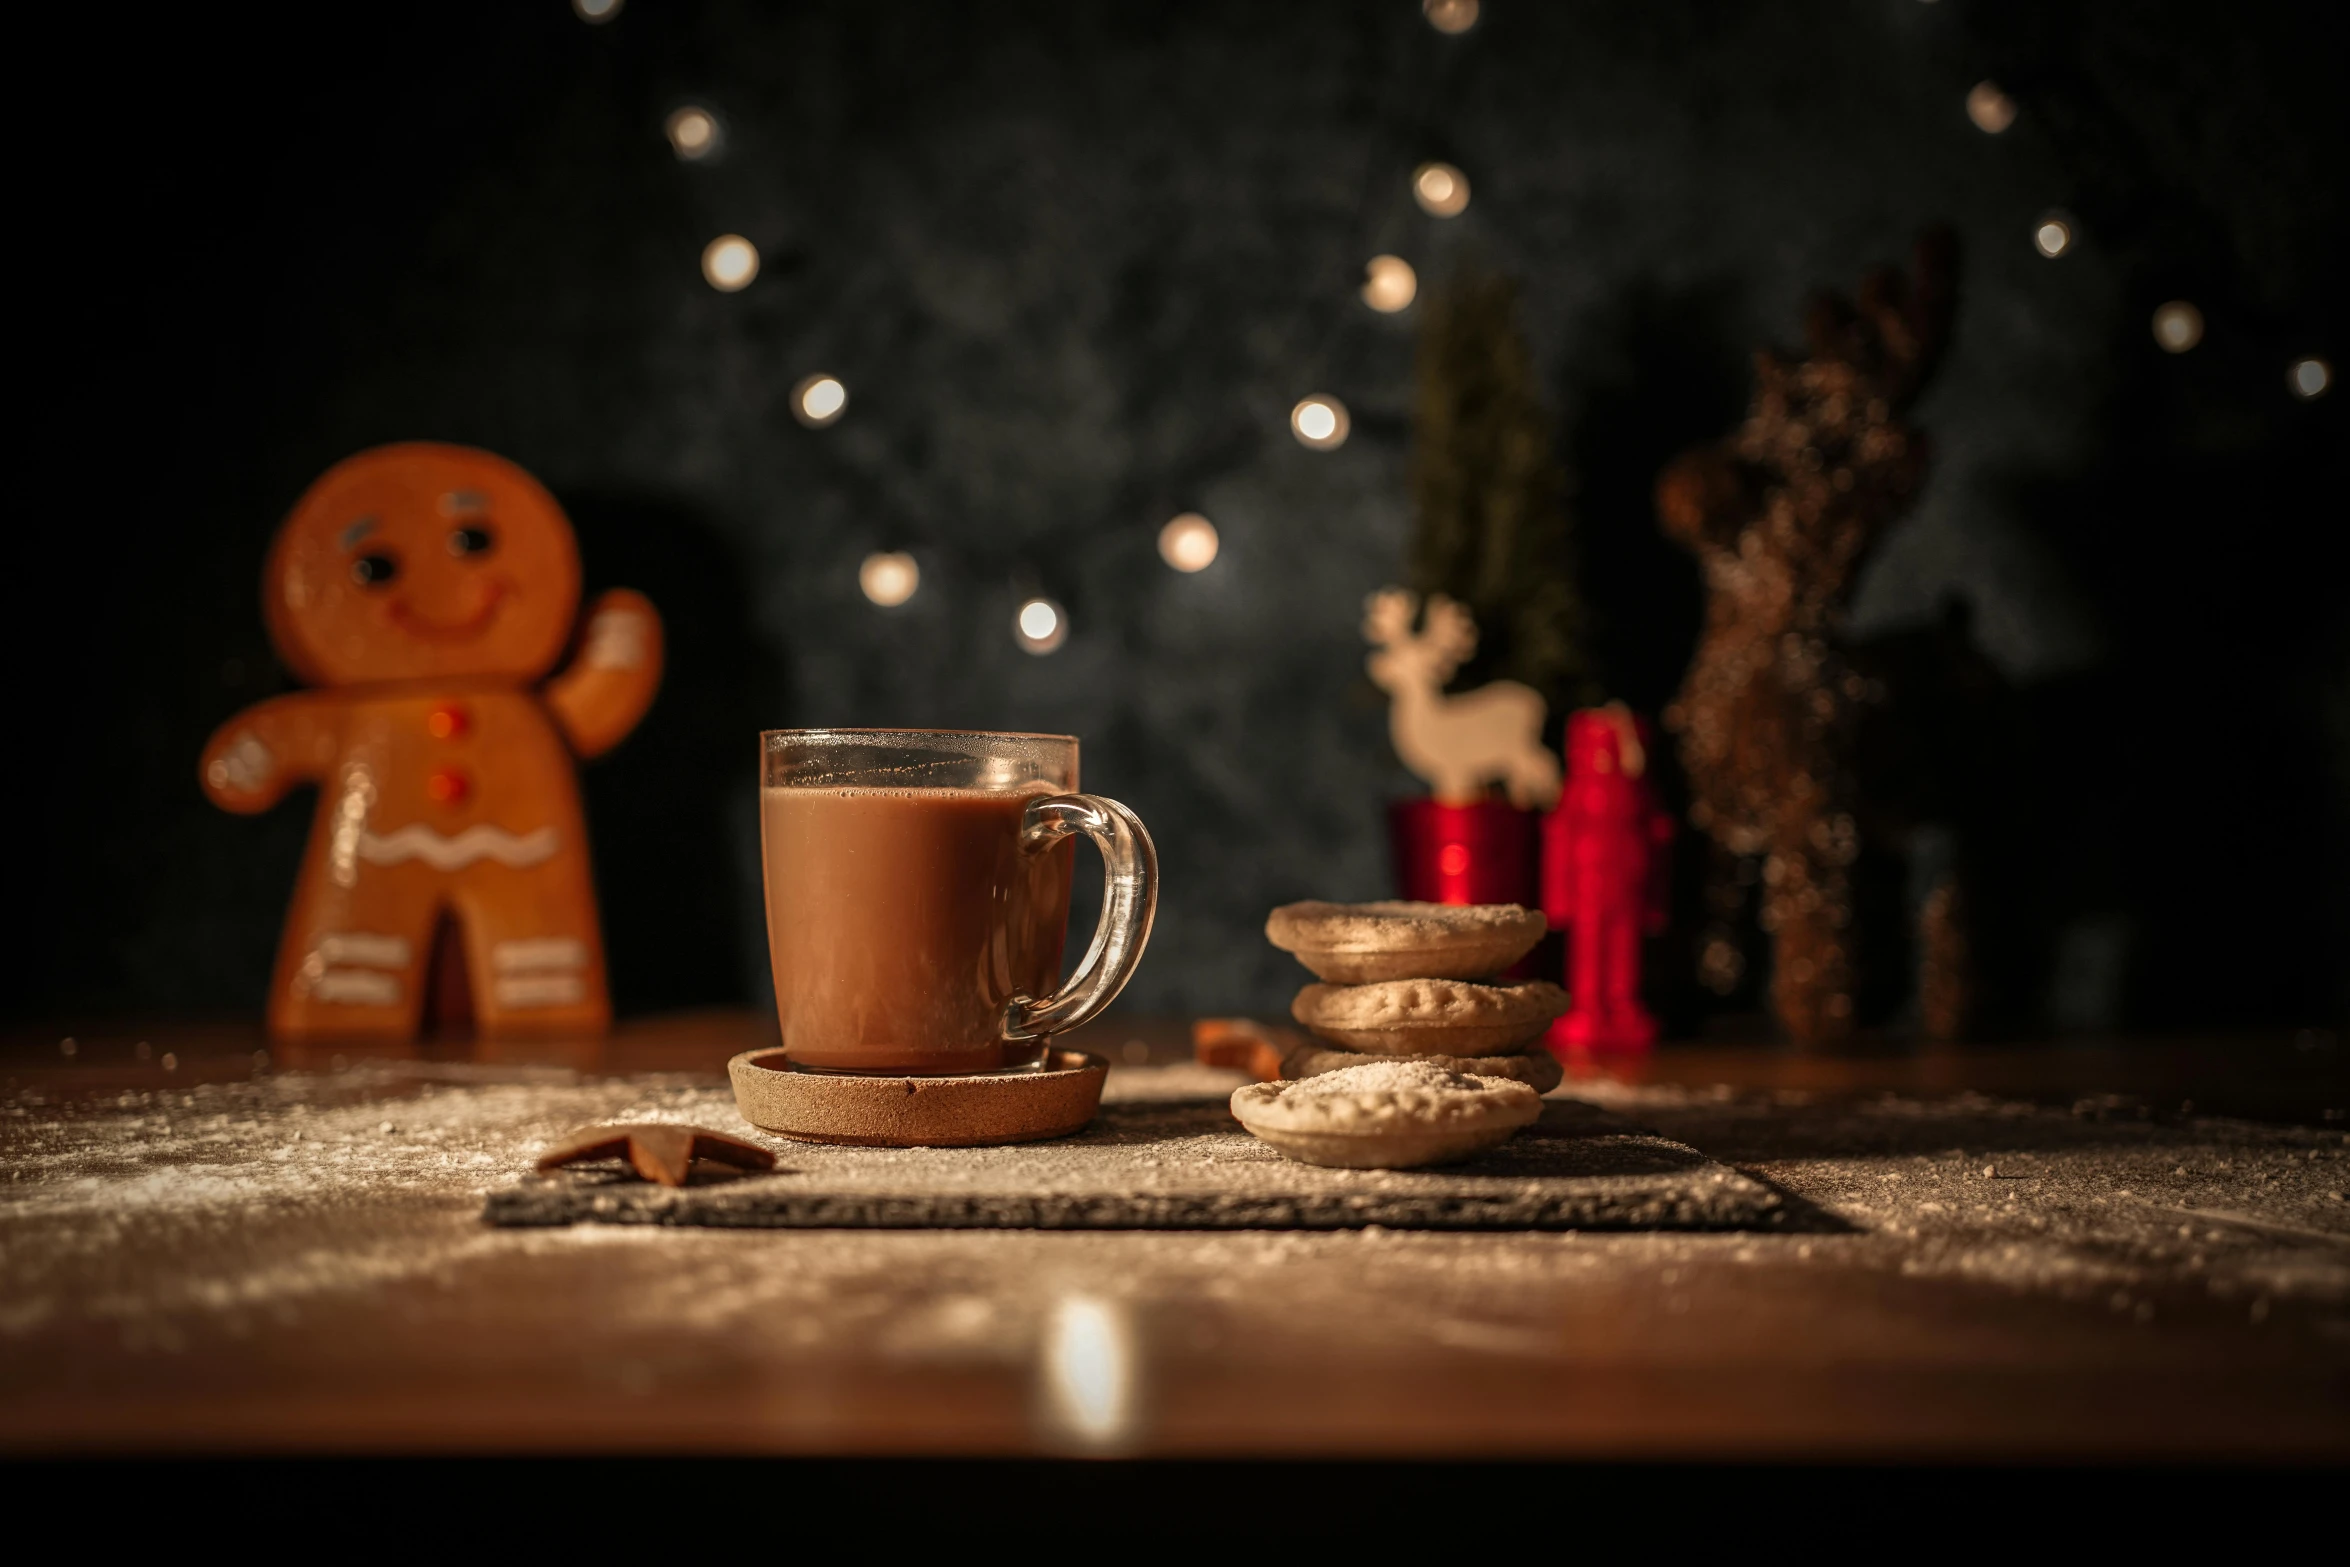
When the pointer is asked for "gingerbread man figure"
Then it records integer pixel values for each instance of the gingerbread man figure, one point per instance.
(423, 591)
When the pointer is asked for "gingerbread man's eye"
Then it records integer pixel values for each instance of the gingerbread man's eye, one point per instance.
(373, 571)
(469, 541)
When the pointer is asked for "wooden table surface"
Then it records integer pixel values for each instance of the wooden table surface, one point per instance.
(208, 1246)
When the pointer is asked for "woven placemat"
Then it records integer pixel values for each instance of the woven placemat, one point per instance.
(1187, 1166)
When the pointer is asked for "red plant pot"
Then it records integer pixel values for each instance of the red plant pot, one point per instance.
(1488, 852)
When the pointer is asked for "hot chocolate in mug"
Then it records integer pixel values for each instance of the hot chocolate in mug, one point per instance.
(918, 896)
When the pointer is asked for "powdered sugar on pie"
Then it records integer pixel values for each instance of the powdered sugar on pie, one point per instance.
(1386, 1115)
(1537, 1069)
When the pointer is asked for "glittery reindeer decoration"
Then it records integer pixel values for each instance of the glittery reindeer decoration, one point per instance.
(1779, 515)
(1459, 744)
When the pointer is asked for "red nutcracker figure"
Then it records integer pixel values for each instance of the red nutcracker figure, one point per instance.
(1604, 875)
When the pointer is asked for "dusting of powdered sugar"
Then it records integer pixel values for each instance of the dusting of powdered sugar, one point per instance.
(177, 1218)
(1405, 1075)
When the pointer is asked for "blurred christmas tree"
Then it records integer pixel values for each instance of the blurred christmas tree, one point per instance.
(1494, 530)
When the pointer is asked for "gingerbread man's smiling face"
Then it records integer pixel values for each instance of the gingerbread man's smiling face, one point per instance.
(421, 561)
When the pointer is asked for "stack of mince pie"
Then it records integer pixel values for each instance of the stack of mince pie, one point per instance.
(1419, 1054)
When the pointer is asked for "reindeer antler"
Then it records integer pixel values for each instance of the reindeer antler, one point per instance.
(1387, 617)
(1895, 326)
(1451, 634)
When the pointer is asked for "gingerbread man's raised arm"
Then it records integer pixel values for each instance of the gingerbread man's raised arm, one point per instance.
(253, 759)
(599, 699)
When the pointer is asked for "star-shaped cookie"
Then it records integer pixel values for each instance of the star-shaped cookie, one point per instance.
(660, 1151)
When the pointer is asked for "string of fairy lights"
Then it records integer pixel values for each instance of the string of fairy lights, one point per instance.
(1319, 421)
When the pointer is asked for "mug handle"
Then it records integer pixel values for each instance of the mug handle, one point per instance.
(1130, 901)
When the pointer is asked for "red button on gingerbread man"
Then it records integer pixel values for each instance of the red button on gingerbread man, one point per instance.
(425, 590)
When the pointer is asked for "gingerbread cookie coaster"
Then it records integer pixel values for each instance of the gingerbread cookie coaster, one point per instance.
(1360, 943)
(1538, 1070)
(1387, 1115)
(1430, 1017)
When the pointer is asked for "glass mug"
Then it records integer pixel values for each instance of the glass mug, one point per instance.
(918, 896)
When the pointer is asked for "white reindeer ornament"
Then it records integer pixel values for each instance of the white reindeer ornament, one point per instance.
(1461, 743)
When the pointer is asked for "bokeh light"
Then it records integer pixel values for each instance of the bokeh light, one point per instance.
(693, 133)
(596, 10)
(1040, 626)
(729, 262)
(2309, 378)
(889, 578)
(819, 400)
(1320, 422)
(1441, 190)
(2052, 236)
(1450, 16)
(1389, 284)
(1990, 108)
(2178, 326)
(1189, 542)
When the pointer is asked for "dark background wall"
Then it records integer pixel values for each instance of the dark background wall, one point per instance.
(1074, 263)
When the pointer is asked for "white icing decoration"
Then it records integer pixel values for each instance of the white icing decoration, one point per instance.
(443, 853)
(244, 766)
(342, 852)
(538, 990)
(364, 948)
(356, 987)
(616, 640)
(538, 952)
